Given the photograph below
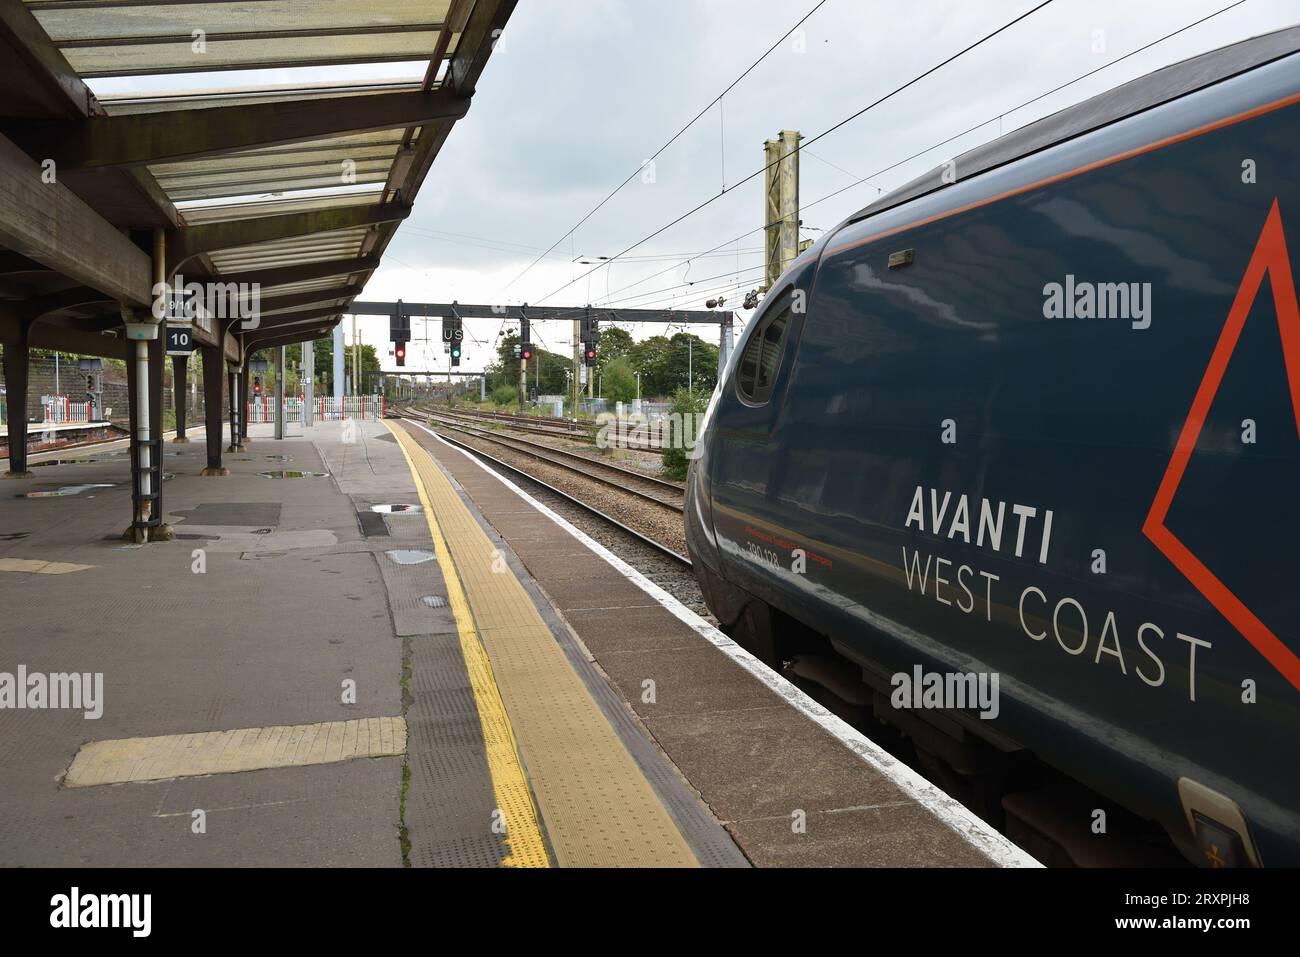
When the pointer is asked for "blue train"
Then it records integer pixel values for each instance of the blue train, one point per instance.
(1020, 442)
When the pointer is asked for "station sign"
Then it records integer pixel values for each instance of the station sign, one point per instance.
(180, 339)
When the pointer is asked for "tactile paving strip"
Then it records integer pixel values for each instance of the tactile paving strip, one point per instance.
(35, 567)
(246, 749)
(597, 806)
(514, 800)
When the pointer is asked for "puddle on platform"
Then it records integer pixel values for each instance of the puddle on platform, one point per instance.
(106, 459)
(434, 601)
(395, 509)
(65, 491)
(292, 474)
(14, 536)
(409, 556)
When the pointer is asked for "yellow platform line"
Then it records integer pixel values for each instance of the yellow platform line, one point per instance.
(598, 807)
(509, 783)
(125, 760)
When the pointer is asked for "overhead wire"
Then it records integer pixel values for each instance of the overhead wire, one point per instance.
(631, 176)
(848, 119)
(866, 179)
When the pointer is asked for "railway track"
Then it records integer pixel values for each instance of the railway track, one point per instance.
(824, 677)
(557, 428)
(677, 558)
(616, 475)
(547, 420)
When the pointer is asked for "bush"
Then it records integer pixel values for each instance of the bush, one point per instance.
(686, 406)
(618, 381)
(506, 395)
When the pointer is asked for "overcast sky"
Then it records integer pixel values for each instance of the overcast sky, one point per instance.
(580, 92)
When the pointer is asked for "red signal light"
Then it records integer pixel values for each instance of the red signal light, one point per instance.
(399, 352)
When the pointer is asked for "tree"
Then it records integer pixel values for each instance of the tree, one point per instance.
(688, 406)
(618, 381)
(545, 370)
(664, 363)
(650, 358)
(615, 343)
(693, 363)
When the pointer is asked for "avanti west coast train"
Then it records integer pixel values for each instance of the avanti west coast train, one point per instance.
(1032, 422)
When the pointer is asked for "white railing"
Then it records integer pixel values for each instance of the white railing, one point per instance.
(350, 407)
(59, 409)
(261, 410)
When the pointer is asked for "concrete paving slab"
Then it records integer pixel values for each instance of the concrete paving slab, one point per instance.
(227, 630)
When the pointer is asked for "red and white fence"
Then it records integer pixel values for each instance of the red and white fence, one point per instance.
(350, 407)
(326, 408)
(60, 409)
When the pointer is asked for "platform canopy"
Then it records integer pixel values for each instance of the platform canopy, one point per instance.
(298, 186)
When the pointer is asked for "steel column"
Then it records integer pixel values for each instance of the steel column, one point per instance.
(244, 378)
(279, 391)
(212, 362)
(232, 383)
(180, 400)
(15, 365)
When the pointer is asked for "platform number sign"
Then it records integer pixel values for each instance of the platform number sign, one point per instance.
(180, 340)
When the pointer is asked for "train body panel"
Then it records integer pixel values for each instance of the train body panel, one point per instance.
(948, 459)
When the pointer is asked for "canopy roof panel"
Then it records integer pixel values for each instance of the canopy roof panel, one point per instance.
(256, 171)
(102, 22)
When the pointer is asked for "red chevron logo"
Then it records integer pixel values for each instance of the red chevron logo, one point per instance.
(1270, 258)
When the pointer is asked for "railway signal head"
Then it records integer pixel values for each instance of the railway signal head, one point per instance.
(257, 385)
(591, 355)
(455, 353)
(399, 324)
(526, 351)
(399, 352)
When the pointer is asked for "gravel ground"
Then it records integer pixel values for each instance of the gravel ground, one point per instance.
(651, 463)
(663, 494)
(655, 521)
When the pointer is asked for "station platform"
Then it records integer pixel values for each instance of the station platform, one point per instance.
(363, 648)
